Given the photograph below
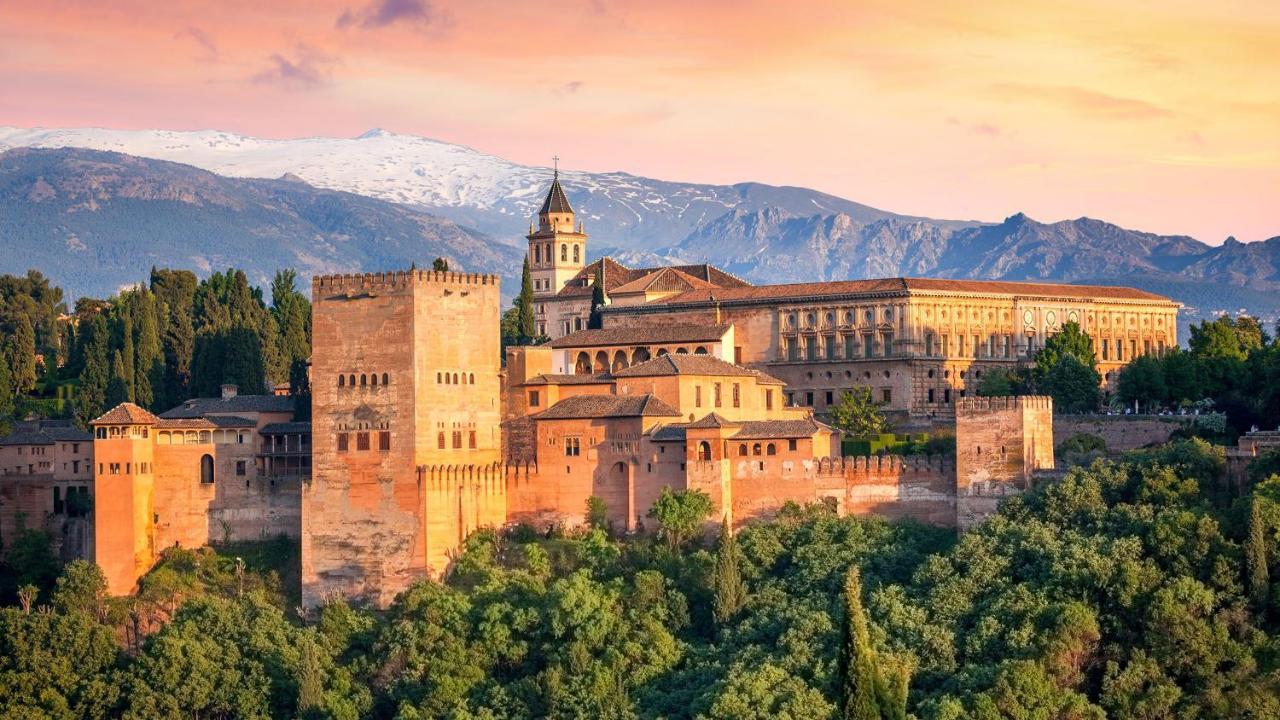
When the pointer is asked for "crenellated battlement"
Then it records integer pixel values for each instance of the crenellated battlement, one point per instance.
(975, 405)
(837, 467)
(397, 279)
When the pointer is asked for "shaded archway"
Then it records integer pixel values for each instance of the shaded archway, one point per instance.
(704, 451)
(582, 366)
(639, 356)
(206, 469)
(619, 361)
(602, 362)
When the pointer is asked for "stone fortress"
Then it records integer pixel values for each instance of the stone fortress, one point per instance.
(422, 432)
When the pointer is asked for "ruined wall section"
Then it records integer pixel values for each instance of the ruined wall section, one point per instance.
(1000, 443)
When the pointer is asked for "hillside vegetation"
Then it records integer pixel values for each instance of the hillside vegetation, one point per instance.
(1131, 589)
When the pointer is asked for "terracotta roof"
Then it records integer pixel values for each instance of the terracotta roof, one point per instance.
(199, 407)
(126, 414)
(671, 432)
(642, 335)
(185, 424)
(666, 279)
(231, 421)
(904, 286)
(287, 428)
(713, 420)
(617, 275)
(45, 432)
(558, 379)
(607, 406)
(556, 201)
(771, 429)
(685, 364)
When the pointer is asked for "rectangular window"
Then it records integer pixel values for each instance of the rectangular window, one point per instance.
(1008, 346)
(57, 501)
(362, 441)
(384, 441)
(342, 442)
(829, 346)
(829, 399)
(697, 396)
(811, 348)
(793, 350)
(868, 347)
(737, 395)
(716, 390)
(1119, 350)
(768, 399)
(1106, 350)
(737, 355)
(850, 345)
(572, 447)
(977, 346)
(960, 345)
(946, 396)
(946, 345)
(1133, 349)
(1146, 347)
(930, 400)
(440, 440)
(791, 444)
(240, 468)
(887, 395)
(888, 344)
(75, 448)
(471, 440)
(457, 439)
(808, 399)
(533, 398)
(928, 345)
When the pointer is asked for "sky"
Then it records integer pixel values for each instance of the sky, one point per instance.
(1161, 116)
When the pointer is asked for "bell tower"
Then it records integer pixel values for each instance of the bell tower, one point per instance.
(557, 246)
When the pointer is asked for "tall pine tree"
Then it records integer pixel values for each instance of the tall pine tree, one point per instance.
(730, 591)
(118, 386)
(1255, 551)
(525, 304)
(860, 684)
(595, 321)
(91, 395)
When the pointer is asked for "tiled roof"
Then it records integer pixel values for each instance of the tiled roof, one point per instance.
(286, 428)
(904, 286)
(666, 279)
(770, 429)
(670, 432)
(558, 379)
(557, 201)
(45, 432)
(617, 275)
(607, 406)
(185, 424)
(642, 335)
(231, 421)
(713, 420)
(685, 364)
(199, 407)
(126, 414)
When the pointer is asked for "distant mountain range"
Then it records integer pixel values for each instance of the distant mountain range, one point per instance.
(476, 207)
(94, 221)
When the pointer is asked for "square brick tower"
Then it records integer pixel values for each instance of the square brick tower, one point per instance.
(1000, 443)
(405, 381)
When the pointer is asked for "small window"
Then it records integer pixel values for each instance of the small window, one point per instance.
(386, 379)
(342, 442)
(768, 399)
(742, 450)
(471, 440)
(440, 440)
(792, 444)
(471, 379)
(240, 468)
(342, 381)
(572, 447)
(771, 449)
(373, 379)
(533, 398)
(206, 469)
(717, 394)
(384, 441)
(755, 449)
(737, 395)
(704, 451)
(457, 439)
(363, 380)
(351, 380)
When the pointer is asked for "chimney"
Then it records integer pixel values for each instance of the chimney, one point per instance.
(229, 391)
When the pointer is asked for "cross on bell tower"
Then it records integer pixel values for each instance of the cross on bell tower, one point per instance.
(557, 246)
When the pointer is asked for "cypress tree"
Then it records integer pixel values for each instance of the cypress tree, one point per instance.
(300, 389)
(310, 680)
(730, 591)
(440, 265)
(22, 355)
(6, 393)
(149, 358)
(1255, 550)
(859, 694)
(118, 386)
(596, 320)
(525, 303)
(129, 366)
(91, 395)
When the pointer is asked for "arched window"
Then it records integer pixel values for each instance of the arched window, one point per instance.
(351, 380)
(575, 254)
(619, 361)
(699, 350)
(471, 379)
(439, 378)
(440, 440)
(364, 380)
(602, 362)
(639, 356)
(384, 378)
(537, 254)
(742, 450)
(681, 351)
(755, 449)
(771, 449)
(206, 469)
(373, 379)
(455, 378)
(582, 366)
(704, 450)
(546, 252)
(662, 351)
(206, 436)
(342, 380)
(564, 253)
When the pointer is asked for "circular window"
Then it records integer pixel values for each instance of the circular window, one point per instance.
(1028, 317)
(866, 375)
(1072, 317)
(791, 321)
(1051, 317)
(888, 314)
(809, 318)
(848, 317)
(870, 317)
(828, 374)
(831, 318)
(848, 373)
(886, 373)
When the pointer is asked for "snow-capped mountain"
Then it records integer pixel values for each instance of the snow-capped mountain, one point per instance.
(623, 212)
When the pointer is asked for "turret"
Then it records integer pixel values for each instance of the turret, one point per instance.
(557, 246)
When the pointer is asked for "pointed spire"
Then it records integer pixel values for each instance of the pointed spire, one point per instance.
(556, 201)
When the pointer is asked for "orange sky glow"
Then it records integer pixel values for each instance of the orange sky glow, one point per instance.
(1160, 116)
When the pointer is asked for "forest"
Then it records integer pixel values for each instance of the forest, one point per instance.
(1135, 587)
(155, 344)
